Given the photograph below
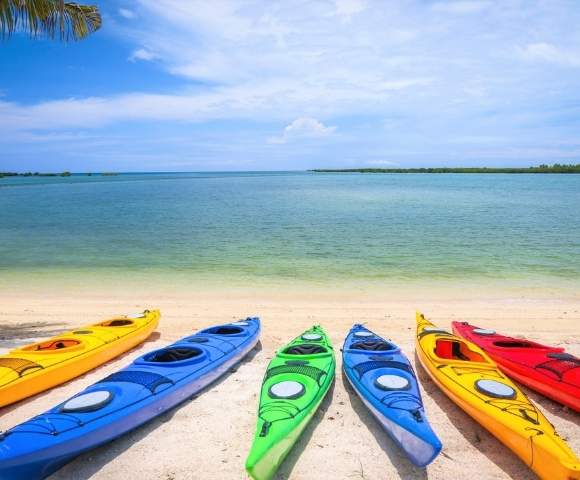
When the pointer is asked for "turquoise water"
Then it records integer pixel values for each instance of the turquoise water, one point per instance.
(326, 228)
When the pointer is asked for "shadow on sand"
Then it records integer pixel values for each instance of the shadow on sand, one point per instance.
(398, 459)
(91, 462)
(475, 434)
(285, 470)
(16, 335)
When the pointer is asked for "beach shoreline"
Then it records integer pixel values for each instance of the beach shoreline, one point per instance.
(210, 435)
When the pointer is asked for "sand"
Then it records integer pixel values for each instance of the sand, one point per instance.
(209, 436)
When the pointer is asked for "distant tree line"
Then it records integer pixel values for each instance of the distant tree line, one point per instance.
(555, 168)
(35, 174)
(62, 174)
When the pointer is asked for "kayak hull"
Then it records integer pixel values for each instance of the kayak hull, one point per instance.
(295, 384)
(399, 411)
(39, 447)
(35, 368)
(514, 419)
(268, 464)
(547, 370)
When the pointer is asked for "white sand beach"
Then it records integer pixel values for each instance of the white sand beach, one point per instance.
(209, 436)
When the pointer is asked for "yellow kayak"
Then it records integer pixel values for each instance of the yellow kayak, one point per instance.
(34, 368)
(474, 382)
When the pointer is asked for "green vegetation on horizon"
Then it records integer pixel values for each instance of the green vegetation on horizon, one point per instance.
(53, 18)
(556, 168)
(63, 174)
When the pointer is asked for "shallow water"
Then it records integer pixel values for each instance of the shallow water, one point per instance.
(268, 227)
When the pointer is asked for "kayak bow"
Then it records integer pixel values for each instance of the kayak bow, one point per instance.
(296, 381)
(386, 383)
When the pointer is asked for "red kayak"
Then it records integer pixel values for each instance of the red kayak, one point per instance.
(548, 370)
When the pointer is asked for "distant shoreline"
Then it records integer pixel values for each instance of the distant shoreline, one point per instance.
(62, 174)
(556, 168)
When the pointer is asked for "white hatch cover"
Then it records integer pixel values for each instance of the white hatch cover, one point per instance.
(495, 389)
(483, 331)
(287, 389)
(136, 315)
(241, 324)
(312, 336)
(364, 334)
(88, 402)
(392, 382)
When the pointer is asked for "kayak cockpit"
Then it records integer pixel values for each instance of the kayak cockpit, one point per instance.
(377, 345)
(173, 354)
(226, 330)
(176, 355)
(451, 349)
(116, 322)
(305, 349)
(53, 345)
(523, 344)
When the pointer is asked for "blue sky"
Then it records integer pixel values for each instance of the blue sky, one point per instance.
(258, 85)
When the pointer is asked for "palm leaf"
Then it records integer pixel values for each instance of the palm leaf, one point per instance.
(54, 18)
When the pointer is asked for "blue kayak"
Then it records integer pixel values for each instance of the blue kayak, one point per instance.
(385, 381)
(151, 385)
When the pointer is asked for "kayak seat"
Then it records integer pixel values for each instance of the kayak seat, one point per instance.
(225, 330)
(560, 367)
(116, 323)
(457, 353)
(52, 345)
(19, 365)
(305, 349)
(313, 372)
(444, 349)
(372, 346)
(120, 323)
(173, 354)
(454, 350)
(513, 344)
(365, 367)
(149, 380)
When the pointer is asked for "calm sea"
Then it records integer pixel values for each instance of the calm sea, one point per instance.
(269, 227)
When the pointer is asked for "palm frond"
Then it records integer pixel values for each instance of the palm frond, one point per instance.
(53, 18)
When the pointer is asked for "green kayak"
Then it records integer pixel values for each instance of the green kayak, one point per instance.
(295, 383)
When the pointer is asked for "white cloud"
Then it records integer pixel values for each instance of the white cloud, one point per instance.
(142, 54)
(126, 13)
(348, 8)
(303, 127)
(266, 101)
(437, 72)
(546, 52)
